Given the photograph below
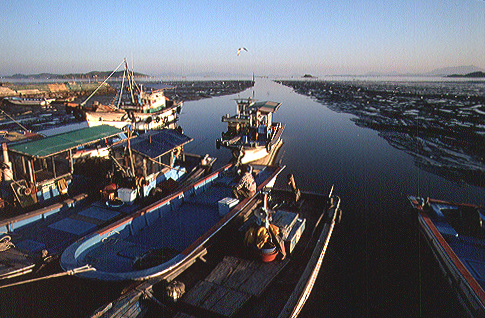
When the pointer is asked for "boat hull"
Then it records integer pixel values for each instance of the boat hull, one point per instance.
(142, 121)
(170, 216)
(249, 152)
(230, 281)
(458, 256)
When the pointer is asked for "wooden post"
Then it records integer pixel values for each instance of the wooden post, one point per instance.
(292, 184)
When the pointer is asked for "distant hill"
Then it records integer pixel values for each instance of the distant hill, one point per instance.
(91, 75)
(469, 75)
(455, 70)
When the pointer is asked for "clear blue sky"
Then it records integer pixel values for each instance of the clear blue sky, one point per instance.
(320, 37)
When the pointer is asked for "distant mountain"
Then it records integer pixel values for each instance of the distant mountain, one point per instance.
(469, 75)
(455, 70)
(91, 75)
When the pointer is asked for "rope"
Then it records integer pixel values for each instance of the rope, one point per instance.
(84, 103)
(14, 120)
(82, 269)
(5, 243)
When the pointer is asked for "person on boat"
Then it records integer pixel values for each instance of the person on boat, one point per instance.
(246, 187)
(262, 131)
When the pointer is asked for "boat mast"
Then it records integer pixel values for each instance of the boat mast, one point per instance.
(130, 82)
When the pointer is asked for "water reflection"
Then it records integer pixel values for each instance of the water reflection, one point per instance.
(441, 124)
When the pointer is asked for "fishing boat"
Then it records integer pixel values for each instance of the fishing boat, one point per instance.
(234, 277)
(144, 110)
(32, 239)
(23, 101)
(456, 235)
(251, 133)
(35, 172)
(163, 237)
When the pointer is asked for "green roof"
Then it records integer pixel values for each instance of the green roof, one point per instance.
(49, 146)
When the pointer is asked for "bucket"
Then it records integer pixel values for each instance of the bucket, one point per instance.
(266, 258)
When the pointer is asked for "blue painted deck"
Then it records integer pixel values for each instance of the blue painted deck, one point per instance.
(55, 232)
(168, 224)
(180, 225)
(470, 250)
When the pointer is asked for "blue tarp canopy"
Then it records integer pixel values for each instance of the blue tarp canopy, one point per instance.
(155, 143)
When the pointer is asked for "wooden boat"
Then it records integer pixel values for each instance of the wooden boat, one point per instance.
(38, 171)
(31, 239)
(22, 101)
(456, 235)
(251, 133)
(161, 238)
(230, 279)
(142, 109)
(15, 136)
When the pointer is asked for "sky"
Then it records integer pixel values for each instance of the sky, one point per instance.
(282, 37)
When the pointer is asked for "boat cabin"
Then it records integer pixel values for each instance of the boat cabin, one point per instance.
(154, 156)
(256, 117)
(41, 169)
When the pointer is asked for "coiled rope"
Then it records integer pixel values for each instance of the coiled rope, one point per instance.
(5, 243)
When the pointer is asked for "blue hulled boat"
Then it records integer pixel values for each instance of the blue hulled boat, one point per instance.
(456, 235)
(157, 168)
(163, 237)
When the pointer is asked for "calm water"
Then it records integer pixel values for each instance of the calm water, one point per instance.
(376, 264)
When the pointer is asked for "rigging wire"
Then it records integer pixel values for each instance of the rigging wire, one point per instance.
(14, 120)
(84, 103)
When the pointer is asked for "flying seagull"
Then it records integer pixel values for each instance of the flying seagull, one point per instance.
(240, 49)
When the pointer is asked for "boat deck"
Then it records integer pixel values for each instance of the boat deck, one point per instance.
(231, 280)
(456, 235)
(231, 284)
(192, 219)
(55, 231)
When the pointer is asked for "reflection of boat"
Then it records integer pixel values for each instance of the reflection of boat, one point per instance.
(144, 110)
(456, 234)
(33, 238)
(163, 237)
(234, 280)
(251, 133)
(21, 101)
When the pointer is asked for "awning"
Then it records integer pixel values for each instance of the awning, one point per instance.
(264, 107)
(155, 143)
(52, 145)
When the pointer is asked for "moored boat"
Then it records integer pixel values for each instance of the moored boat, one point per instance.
(35, 172)
(24, 101)
(251, 133)
(163, 237)
(135, 106)
(32, 238)
(234, 277)
(456, 235)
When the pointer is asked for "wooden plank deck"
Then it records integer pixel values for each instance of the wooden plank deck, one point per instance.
(232, 283)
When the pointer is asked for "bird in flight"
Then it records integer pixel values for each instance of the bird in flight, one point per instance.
(241, 49)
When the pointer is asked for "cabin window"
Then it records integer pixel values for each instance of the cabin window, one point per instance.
(20, 167)
(51, 167)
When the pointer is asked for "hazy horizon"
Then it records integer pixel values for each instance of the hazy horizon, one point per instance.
(287, 38)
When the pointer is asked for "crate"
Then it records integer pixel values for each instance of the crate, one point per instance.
(285, 221)
(126, 195)
(294, 235)
(225, 205)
